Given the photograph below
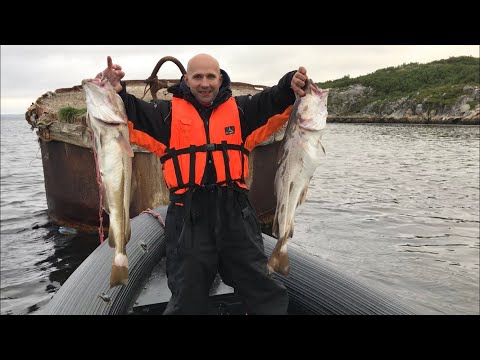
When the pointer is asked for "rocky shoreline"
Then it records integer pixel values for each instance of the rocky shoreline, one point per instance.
(355, 119)
(353, 104)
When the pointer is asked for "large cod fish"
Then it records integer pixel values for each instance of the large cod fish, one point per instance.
(107, 118)
(299, 156)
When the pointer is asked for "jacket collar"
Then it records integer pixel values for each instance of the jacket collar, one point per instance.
(181, 90)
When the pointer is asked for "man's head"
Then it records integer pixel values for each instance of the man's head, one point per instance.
(203, 77)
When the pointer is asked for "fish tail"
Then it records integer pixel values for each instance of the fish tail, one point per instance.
(119, 275)
(278, 261)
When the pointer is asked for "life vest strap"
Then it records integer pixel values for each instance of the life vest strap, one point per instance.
(191, 178)
(226, 161)
(180, 198)
(193, 185)
(170, 153)
(178, 173)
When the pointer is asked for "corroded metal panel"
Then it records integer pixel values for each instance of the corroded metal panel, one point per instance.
(72, 190)
(73, 195)
(263, 167)
(69, 169)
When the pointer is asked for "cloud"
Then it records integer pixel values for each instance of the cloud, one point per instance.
(28, 71)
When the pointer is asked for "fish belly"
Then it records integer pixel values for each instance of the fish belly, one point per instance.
(291, 184)
(115, 167)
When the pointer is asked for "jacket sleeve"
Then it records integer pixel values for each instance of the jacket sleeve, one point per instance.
(256, 110)
(149, 122)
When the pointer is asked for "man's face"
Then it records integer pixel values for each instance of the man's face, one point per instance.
(204, 80)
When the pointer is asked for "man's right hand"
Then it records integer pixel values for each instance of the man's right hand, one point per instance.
(113, 73)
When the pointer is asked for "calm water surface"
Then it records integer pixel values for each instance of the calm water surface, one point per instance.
(36, 258)
(396, 206)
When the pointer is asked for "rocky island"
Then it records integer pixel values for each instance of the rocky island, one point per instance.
(440, 92)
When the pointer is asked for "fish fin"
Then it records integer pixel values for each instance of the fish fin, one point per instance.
(292, 118)
(128, 231)
(278, 261)
(126, 220)
(279, 214)
(111, 239)
(104, 199)
(105, 114)
(291, 123)
(323, 148)
(133, 187)
(119, 275)
(275, 226)
(125, 145)
(303, 196)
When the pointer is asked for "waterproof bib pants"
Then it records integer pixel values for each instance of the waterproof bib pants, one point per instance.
(216, 230)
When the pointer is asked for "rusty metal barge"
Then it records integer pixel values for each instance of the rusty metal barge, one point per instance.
(59, 118)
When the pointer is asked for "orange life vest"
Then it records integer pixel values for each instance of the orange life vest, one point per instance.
(185, 160)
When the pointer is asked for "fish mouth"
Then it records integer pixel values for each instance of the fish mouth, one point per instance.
(95, 81)
(100, 81)
(315, 89)
(98, 93)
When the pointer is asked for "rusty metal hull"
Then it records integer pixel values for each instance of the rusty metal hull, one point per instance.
(73, 194)
(69, 168)
(263, 167)
(72, 190)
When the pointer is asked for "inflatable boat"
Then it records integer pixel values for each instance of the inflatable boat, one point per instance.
(314, 287)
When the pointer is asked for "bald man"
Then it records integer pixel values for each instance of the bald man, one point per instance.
(203, 137)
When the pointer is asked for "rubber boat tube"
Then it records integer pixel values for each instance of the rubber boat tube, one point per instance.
(314, 287)
(317, 288)
(87, 291)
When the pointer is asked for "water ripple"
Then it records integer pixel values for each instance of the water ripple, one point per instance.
(395, 205)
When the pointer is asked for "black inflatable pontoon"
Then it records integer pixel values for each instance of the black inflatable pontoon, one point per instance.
(314, 287)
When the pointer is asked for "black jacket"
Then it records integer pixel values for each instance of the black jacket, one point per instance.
(154, 118)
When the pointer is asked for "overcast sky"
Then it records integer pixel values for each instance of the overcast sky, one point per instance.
(28, 71)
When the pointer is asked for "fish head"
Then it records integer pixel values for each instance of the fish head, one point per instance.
(98, 86)
(313, 89)
(312, 108)
(103, 102)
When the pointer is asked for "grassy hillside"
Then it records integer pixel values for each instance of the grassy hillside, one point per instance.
(441, 82)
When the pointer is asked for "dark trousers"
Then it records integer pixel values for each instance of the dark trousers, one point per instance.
(218, 232)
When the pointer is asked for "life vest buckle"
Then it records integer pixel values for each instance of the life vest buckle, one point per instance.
(211, 147)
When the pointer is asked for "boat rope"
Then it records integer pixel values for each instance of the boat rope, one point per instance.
(157, 215)
(266, 212)
(100, 192)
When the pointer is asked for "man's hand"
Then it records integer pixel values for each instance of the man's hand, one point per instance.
(299, 80)
(113, 73)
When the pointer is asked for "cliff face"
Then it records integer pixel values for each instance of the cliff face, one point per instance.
(355, 104)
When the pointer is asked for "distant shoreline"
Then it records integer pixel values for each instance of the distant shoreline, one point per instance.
(416, 121)
(357, 120)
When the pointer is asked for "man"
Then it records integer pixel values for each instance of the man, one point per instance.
(203, 137)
